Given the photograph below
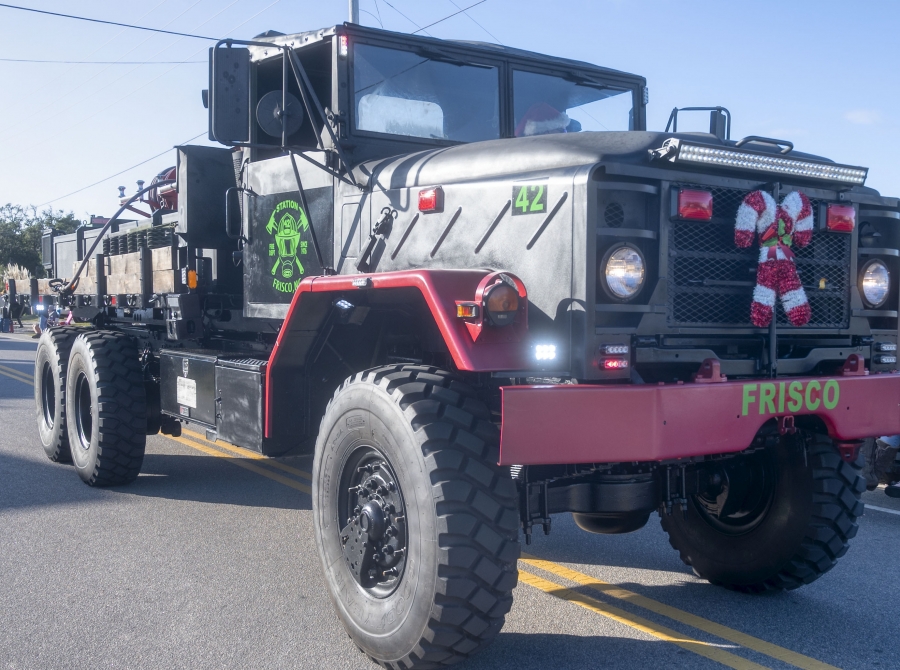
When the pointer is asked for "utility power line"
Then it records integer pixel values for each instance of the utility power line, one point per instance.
(79, 88)
(366, 11)
(449, 16)
(405, 16)
(109, 23)
(472, 18)
(377, 9)
(128, 95)
(60, 76)
(84, 188)
(93, 95)
(101, 62)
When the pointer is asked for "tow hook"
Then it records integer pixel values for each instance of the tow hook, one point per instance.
(849, 451)
(786, 425)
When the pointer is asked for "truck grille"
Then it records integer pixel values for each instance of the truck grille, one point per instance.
(711, 280)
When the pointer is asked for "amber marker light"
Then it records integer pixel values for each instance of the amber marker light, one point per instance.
(466, 310)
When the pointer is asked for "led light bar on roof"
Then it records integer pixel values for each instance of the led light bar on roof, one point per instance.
(679, 151)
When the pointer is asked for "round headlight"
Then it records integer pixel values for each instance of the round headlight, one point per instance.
(876, 283)
(624, 272)
(501, 302)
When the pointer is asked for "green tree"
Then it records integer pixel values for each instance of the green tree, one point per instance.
(21, 229)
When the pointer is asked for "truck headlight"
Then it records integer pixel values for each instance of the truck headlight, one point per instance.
(624, 272)
(875, 281)
(501, 303)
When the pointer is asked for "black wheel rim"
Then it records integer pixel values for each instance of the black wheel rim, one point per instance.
(48, 395)
(373, 515)
(84, 420)
(738, 493)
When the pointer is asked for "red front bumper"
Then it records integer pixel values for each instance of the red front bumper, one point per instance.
(611, 424)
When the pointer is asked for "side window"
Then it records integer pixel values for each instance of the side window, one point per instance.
(417, 95)
(546, 104)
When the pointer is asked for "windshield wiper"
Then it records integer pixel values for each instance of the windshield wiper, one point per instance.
(582, 80)
(433, 54)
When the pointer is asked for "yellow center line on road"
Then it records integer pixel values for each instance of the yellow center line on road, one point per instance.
(219, 444)
(241, 462)
(711, 627)
(19, 376)
(704, 649)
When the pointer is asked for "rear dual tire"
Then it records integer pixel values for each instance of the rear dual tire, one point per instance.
(50, 370)
(106, 408)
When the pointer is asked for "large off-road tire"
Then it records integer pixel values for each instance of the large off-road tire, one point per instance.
(107, 411)
(797, 510)
(50, 364)
(436, 587)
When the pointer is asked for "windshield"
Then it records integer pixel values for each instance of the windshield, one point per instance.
(545, 104)
(411, 94)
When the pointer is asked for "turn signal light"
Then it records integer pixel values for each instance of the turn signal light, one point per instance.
(431, 199)
(841, 218)
(615, 363)
(695, 205)
(466, 310)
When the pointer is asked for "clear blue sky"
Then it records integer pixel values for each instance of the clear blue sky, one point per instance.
(822, 74)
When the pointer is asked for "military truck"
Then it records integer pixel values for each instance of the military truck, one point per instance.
(471, 282)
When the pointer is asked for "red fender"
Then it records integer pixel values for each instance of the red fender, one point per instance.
(441, 289)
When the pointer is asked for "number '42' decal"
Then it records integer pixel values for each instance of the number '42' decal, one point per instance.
(529, 199)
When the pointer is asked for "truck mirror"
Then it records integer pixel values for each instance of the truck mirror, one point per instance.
(229, 95)
(233, 224)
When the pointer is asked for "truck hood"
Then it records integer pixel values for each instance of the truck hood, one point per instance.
(536, 155)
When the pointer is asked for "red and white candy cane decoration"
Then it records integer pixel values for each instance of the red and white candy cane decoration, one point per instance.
(778, 227)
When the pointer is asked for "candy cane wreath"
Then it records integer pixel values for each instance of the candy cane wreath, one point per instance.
(779, 227)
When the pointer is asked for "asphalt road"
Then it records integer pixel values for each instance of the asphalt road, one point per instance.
(208, 561)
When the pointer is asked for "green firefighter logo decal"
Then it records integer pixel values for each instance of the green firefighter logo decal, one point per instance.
(287, 223)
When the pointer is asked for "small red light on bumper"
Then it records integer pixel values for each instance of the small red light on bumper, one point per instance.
(696, 205)
(841, 218)
(431, 199)
(615, 363)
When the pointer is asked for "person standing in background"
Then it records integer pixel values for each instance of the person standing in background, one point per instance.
(5, 321)
(15, 312)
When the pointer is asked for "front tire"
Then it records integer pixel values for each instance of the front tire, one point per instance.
(107, 408)
(795, 514)
(50, 365)
(425, 579)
